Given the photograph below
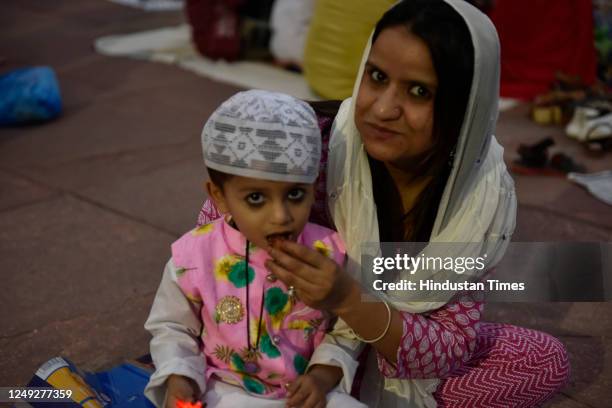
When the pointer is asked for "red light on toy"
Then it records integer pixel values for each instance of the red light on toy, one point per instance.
(187, 404)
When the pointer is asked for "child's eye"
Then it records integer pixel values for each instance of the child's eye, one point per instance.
(255, 198)
(419, 91)
(296, 194)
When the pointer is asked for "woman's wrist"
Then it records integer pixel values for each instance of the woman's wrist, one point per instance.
(351, 299)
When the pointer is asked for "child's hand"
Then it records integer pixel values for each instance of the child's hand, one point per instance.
(306, 392)
(181, 388)
(310, 390)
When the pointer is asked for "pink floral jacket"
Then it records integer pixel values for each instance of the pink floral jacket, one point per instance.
(213, 274)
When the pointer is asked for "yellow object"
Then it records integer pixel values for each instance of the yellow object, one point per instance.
(58, 374)
(323, 249)
(339, 31)
(547, 115)
(204, 229)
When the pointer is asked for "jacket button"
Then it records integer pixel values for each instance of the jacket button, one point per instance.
(276, 339)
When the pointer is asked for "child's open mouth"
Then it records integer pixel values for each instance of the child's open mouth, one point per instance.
(274, 240)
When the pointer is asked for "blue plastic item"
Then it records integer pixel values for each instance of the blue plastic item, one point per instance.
(124, 385)
(29, 95)
(120, 387)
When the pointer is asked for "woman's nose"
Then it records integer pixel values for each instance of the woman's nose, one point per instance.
(387, 106)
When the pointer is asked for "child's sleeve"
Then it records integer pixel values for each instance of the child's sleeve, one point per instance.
(339, 348)
(175, 347)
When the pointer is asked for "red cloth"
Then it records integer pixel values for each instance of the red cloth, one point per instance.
(540, 37)
(215, 27)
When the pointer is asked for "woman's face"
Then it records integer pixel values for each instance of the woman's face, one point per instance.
(395, 105)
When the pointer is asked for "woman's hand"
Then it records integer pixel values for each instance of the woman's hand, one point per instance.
(318, 281)
(180, 388)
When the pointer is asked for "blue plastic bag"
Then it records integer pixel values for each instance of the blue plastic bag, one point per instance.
(29, 95)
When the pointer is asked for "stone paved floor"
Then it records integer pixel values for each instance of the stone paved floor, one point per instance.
(89, 203)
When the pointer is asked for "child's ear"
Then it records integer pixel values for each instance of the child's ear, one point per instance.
(215, 193)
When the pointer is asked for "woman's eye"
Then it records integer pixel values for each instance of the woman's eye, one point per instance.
(377, 76)
(255, 198)
(296, 194)
(419, 91)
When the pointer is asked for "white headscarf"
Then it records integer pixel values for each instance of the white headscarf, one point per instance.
(478, 204)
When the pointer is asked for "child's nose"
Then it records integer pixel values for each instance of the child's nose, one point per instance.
(281, 214)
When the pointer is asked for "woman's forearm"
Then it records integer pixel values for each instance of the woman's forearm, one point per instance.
(416, 346)
(369, 320)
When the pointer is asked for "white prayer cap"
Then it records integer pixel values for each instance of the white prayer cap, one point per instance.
(264, 135)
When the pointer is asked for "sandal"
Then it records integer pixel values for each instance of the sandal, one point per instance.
(534, 161)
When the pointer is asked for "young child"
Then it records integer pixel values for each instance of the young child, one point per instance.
(224, 329)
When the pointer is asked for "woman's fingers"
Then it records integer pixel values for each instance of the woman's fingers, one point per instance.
(292, 262)
(290, 278)
(303, 253)
(320, 287)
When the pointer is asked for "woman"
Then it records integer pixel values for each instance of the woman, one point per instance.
(412, 157)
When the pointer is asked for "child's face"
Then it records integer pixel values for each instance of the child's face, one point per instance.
(264, 211)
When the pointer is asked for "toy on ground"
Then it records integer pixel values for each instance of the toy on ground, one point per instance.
(187, 404)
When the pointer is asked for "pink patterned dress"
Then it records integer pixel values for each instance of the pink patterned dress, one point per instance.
(213, 274)
(481, 364)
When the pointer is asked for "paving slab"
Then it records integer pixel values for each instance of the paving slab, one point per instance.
(169, 198)
(591, 361)
(555, 195)
(16, 191)
(65, 258)
(558, 319)
(34, 26)
(88, 172)
(537, 224)
(104, 128)
(515, 127)
(90, 203)
(93, 341)
(564, 198)
(563, 401)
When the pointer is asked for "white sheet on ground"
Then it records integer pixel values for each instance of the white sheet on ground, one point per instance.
(152, 5)
(172, 45)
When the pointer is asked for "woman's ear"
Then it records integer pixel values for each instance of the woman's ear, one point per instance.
(215, 193)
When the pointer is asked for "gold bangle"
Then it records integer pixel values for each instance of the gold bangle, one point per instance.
(384, 333)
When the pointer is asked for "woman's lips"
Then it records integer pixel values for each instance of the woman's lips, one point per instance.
(380, 132)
